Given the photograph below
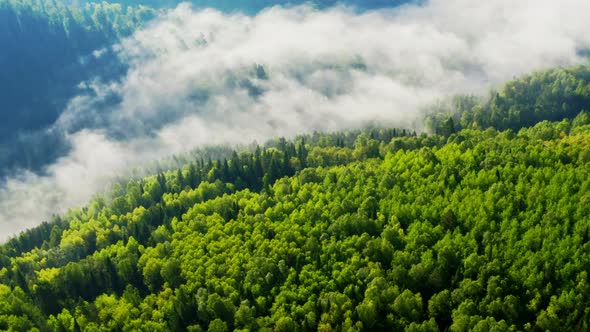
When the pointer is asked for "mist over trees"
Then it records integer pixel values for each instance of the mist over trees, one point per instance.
(53, 51)
(48, 49)
(469, 228)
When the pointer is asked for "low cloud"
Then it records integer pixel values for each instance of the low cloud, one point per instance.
(203, 77)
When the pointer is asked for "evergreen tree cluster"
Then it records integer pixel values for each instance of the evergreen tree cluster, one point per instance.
(552, 95)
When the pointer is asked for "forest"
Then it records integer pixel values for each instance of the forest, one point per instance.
(480, 223)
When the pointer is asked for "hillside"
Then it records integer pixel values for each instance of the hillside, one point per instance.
(433, 174)
(375, 230)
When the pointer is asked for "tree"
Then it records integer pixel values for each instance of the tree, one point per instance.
(217, 325)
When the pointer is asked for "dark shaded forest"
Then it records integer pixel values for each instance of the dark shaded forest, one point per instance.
(481, 225)
(48, 49)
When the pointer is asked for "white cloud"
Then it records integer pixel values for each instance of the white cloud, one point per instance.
(193, 80)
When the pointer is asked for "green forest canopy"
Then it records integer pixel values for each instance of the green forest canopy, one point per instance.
(469, 228)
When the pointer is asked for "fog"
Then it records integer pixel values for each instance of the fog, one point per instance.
(201, 77)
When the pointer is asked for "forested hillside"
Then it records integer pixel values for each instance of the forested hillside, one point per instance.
(382, 229)
(48, 49)
(551, 95)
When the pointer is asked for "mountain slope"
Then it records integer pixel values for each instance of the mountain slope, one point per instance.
(468, 228)
(421, 233)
